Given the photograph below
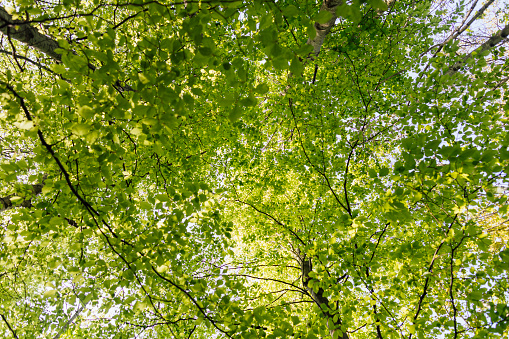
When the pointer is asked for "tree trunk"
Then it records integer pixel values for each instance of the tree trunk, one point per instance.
(323, 29)
(319, 298)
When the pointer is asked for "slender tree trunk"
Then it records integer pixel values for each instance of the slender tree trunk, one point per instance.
(319, 298)
(321, 32)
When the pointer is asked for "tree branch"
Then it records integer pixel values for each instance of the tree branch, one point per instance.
(319, 298)
(490, 43)
(9, 325)
(274, 219)
(27, 59)
(71, 320)
(430, 270)
(25, 33)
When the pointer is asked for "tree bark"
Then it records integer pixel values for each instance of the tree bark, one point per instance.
(318, 297)
(322, 30)
(25, 33)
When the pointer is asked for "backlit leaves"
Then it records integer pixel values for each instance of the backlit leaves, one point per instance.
(182, 163)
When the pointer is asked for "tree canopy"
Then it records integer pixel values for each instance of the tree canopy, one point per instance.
(254, 169)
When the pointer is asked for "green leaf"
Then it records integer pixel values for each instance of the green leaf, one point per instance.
(145, 205)
(47, 189)
(205, 51)
(26, 124)
(296, 67)
(56, 221)
(137, 131)
(343, 10)
(378, 4)
(280, 63)
(351, 12)
(290, 11)
(162, 197)
(49, 294)
(262, 89)
(86, 112)
(235, 114)
(311, 32)
(15, 199)
(323, 17)
(355, 14)
(143, 78)
(10, 10)
(162, 269)
(249, 101)
(81, 129)
(305, 49)
(384, 171)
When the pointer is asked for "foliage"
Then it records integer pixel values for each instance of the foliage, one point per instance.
(251, 169)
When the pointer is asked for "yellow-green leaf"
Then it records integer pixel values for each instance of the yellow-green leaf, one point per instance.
(81, 129)
(49, 294)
